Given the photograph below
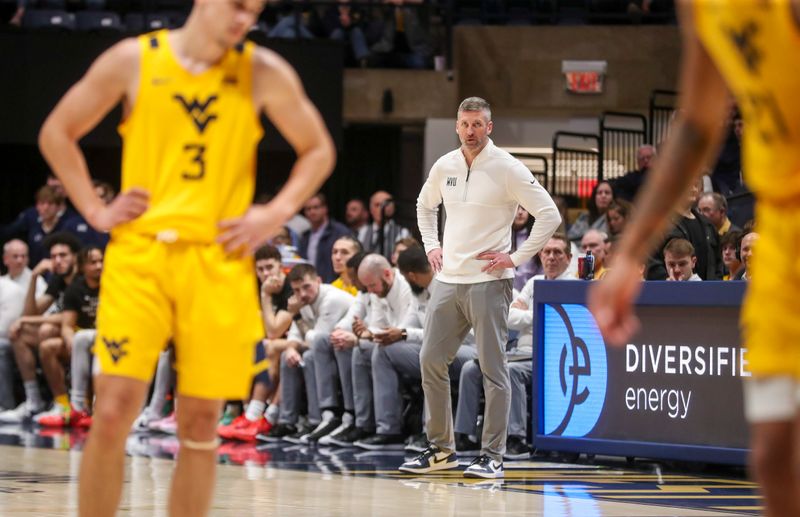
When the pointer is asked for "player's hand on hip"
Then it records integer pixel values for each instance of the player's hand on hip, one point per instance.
(248, 232)
(435, 259)
(124, 208)
(611, 301)
(495, 261)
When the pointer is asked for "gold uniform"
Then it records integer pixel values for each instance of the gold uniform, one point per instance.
(756, 47)
(190, 141)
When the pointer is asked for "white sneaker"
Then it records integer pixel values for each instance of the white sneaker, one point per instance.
(142, 422)
(167, 425)
(19, 414)
(484, 467)
(326, 440)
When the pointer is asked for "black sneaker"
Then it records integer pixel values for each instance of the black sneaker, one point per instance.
(325, 428)
(431, 460)
(382, 442)
(417, 443)
(303, 430)
(484, 467)
(465, 446)
(516, 449)
(346, 437)
(277, 433)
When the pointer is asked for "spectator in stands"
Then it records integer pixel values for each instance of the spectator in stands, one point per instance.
(727, 174)
(595, 241)
(405, 41)
(49, 215)
(393, 302)
(520, 229)
(78, 226)
(695, 228)
(563, 207)
(381, 204)
(401, 245)
(316, 244)
(12, 300)
(41, 319)
(556, 256)
(729, 244)
(343, 249)
(15, 259)
(680, 261)
(56, 353)
(356, 216)
(618, 212)
(626, 186)
(595, 219)
(291, 24)
(344, 22)
(322, 306)
(746, 254)
(714, 207)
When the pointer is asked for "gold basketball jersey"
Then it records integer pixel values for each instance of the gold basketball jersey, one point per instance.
(756, 46)
(190, 141)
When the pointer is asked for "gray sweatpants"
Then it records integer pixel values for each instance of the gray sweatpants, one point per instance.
(80, 364)
(452, 310)
(6, 375)
(294, 380)
(332, 368)
(469, 394)
(362, 385)
(388, 364)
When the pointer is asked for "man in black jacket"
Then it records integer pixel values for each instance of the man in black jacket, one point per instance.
(316, 244)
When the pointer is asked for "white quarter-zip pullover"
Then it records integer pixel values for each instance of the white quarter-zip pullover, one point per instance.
(481, 202)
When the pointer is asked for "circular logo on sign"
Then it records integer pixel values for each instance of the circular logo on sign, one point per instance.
(575, 371)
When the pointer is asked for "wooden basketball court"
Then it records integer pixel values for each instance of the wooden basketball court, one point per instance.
(39, 474)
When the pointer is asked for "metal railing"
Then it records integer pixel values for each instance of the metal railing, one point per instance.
(662, 106)
(621, 135)
(577, 164)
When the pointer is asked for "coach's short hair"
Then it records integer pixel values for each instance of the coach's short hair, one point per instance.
(475, 104)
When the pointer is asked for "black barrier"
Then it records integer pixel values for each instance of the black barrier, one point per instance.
(662, 105)
(621, 135)
(576, 163)
(673, 392)
(38, 67)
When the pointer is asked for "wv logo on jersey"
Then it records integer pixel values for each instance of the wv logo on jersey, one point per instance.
(116, 348)
(198, 110)
(451, 181)
(744, 41)
(575, 371)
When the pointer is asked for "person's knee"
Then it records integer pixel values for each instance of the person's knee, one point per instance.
(82, 342)
(48, 330)
(50, 348)
(198, 421)
(320, 343)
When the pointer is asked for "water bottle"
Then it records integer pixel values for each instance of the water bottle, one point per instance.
(587, 269)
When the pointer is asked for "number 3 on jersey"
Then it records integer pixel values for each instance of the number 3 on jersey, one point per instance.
(197, 169)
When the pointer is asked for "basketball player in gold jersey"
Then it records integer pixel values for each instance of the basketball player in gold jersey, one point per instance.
(752, 50)
(179, 265)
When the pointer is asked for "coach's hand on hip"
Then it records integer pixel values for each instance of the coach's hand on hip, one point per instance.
(495, 261)
(435, 259)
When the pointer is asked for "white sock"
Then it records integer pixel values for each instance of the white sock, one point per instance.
(255, 410)
(328, 415)
(273, 412)
(347, 418)
(32, 394)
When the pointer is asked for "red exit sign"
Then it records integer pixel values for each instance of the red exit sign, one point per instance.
(584, 77)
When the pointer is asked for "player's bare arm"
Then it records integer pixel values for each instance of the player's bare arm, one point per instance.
(112, 78)
(279, 93)
(695, 139)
